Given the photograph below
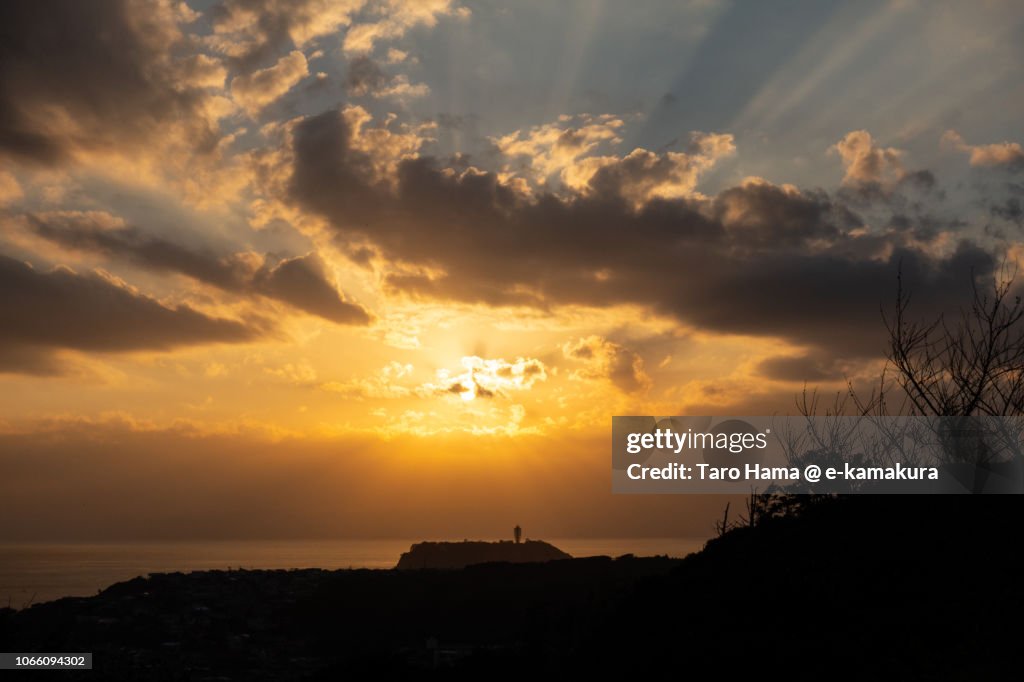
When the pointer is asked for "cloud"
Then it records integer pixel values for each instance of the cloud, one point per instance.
(396, 17)
(562, 154)
(256, 90)
(204, 71)
(643, 175)
(553, 147)
(867, 162)
(383, 384)
(482, 378)
(299, 373)
(1008, 155)
(41, 312)
(396, 56)
(801, 368)
(606, 359)
(1011, 209)
(758, 259)
(251, 31)
(400, 87)
(104, 233)
(80, 77)
(876, 174)
(365, 77)
(10, 189)
(300, 281)
(758, 213)
(384, 148)
(34, 361)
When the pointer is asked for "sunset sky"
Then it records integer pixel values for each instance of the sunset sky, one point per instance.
(331, 268)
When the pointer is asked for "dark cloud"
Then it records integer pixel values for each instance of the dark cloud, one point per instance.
(88, 75)
(898, 194)
(84, 232)
(41, 312)
(300, 282)
(765, 215)
(757, 259)
(921, 228)
(29, 360)
(365, 77)
(923, 180)
(801, 368)
(458, 388)
(1010, 210)
(910, 211)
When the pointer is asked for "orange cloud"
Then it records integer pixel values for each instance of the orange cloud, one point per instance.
(643, 175)
(604, 359)
(242, 27)
(554, 147)
(867, 162)
(383, 384)
(256, 90)
(1007, 154)
(10, 189)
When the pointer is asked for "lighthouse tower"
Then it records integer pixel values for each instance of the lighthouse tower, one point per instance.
(518, 533)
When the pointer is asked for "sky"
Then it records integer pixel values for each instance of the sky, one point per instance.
(360, 268)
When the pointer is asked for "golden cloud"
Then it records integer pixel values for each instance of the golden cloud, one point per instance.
(1009, 154)
(482, 378)
(256, 90)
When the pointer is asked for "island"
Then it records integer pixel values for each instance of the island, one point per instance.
(454, 555)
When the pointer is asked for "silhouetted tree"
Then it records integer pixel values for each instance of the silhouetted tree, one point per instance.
(970, 365)
(956, 369)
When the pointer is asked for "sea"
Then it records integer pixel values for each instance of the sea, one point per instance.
(33, 573)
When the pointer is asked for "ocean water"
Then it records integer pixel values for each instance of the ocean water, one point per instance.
(38, 572)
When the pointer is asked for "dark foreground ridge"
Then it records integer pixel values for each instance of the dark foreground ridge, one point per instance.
(469, 552)
(316, 624)
(857, 588)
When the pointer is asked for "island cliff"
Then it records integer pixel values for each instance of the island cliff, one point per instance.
(461, 554)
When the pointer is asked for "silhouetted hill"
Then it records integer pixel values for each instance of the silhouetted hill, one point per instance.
(856, 588)
(313, 624)
(864, 587)
(469, 552)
